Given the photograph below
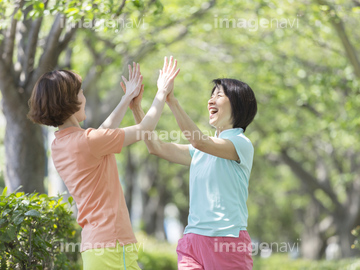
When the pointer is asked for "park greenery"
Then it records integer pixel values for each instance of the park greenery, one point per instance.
(300, 57)
(33, 228)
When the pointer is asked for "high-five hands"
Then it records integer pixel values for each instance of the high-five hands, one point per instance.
(167, 76)
(136, 101)
(132, 86)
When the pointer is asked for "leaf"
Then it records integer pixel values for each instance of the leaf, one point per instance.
(11, 232)
(4, 237)
(356, 9)
(32, 213)
(70, 200)
(3, 220)
(6, 211)
(72, 11)
(39, 6)
(33, 196)
(4, 192)
(18, 219)
(43, 196)
(18, 15)
(19, 187)
(25, 202)
(19, 194)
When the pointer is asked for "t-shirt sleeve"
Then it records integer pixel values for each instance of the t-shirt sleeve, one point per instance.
(105, 141)
(244, 149)
(191, 150)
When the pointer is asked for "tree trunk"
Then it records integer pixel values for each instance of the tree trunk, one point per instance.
(346, 240)
(312, 243)
(129, 178)
(24, 148)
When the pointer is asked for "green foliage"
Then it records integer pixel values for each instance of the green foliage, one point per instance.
(33, 229)
(282, 261)
(356, 232)
(154, 254)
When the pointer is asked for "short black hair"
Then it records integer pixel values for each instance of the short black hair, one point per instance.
(242, 100)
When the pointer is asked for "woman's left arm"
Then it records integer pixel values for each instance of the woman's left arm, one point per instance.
(134, 85)
(222, 148)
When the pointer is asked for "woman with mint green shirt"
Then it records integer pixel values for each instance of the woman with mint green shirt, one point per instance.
(215, 237)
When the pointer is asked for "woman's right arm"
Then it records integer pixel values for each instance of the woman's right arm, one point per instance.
(173, 152)
(148, 123)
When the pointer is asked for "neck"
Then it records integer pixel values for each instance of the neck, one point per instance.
(70, 122)
(221, 129)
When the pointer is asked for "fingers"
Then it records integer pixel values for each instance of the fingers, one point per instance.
(123, 87)
(124, 79)
(169, 68)
(174, 67)
(175, 74)
(165, 64)
(139, 81)
(130, 72)
(137, 74)
(134, 70)
(170, 64)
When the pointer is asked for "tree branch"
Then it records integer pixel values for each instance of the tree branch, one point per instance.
(353, 202)
(338, 25)
(118, 12)
(48, 59)
(10, 41)
(196, 15)
(28, 62)
(68, 36)
(308, 179)
(356, 3)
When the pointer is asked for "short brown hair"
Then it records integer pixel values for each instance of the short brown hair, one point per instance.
(54, 98)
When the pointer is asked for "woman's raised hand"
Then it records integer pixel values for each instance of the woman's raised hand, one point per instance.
(133, 85)
(136, 101)
(167, 76)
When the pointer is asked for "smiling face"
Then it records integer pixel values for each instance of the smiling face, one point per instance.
(80, 114)
(220, 110)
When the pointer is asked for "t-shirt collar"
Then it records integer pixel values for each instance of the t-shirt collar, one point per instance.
(66, 131)
(230, 132)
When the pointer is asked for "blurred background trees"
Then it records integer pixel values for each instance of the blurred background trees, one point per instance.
(303, 66)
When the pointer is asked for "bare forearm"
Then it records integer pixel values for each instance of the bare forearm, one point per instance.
(192, 133)
(117, 115)
(153, 144)
(152, 117)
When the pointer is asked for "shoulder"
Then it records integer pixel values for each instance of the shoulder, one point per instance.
(100, 132)
(242, 140)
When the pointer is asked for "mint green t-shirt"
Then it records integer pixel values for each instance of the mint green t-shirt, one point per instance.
(219, 189)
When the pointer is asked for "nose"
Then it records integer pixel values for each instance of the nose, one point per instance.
(211, 101)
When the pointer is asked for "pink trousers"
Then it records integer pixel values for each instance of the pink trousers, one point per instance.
(198, 252)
